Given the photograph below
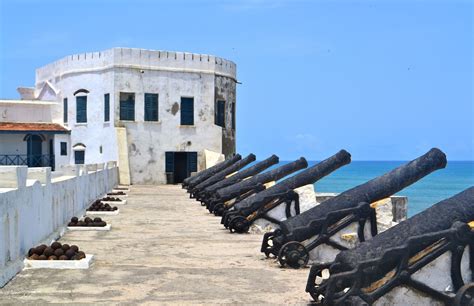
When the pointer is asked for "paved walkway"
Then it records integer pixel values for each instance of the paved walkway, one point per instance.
(163, 248)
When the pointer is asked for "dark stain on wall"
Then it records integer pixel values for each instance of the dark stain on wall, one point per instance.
(175, 108)
(225, 89)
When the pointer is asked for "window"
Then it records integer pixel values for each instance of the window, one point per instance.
(151, 107)
(63, 148)
(65, 110)
(107, 107)
(81, 109)
(127, 106)
(233, 116)
(187, 111)
(220, 113)
(79, 157)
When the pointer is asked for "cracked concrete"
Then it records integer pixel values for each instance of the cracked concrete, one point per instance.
(163, 248)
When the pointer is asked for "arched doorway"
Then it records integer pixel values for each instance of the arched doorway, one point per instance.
(34, 151)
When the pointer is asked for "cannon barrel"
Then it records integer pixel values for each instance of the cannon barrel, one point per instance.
(250, 171)
(305, 177)
(307, 224)
(230, 192)
(439, 217)
(207, 173)
(223, 173)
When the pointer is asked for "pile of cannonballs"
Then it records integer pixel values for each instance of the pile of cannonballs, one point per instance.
(96, 222)
(112, 199)
(116, 193)
(56, 251)
(99, 206)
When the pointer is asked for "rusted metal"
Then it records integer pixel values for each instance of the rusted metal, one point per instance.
(352, 204)
(377, 266)
(203, 175)
(205, 195)
(255, 184)
(222, 174)
(257, 206)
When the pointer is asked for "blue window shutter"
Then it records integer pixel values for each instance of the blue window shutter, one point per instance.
(192, 162)
(107, 107)
(65, 110)
(187, 111)
(151, 107)
(169, 161)
(81, 109)
(79, 157)
(127, 107)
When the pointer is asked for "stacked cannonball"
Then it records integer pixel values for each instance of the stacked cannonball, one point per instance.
(112, 199)
(99, 206)
(56, 251)
(116, 193)
(96, 222)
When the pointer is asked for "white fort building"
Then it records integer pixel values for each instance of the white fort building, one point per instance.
(159, 114)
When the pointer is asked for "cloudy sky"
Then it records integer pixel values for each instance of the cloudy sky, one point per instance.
(386, 81)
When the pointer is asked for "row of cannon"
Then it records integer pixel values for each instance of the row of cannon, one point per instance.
(431, 253)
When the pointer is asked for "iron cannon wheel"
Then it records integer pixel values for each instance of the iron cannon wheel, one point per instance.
(465, 295)
(294, 255)
(239, 225)
(218, 209)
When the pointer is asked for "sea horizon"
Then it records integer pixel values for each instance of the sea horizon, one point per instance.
(437, 186)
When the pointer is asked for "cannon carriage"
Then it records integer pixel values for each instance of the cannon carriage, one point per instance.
(245, 212)
(224, 198)
(427, 259)
(300, 235)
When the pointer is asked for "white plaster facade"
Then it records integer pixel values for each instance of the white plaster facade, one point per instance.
(171, 75)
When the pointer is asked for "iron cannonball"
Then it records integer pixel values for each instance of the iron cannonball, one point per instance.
(31, 251)
(65, 247)
(38, 251)
(97, 219)
(48, 251)
(52, 257)
(42, 257)
(81, 255)
(34, 256)
(56, 245)
(58, 252)
(63, 257)
(74, 219)
(74, 247)
(70, 253)
(81, 223)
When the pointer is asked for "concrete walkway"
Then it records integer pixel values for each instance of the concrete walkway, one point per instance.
(163, 248)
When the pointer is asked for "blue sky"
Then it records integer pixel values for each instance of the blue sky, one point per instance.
(386, 80)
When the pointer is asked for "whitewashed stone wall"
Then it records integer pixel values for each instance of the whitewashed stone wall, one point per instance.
(35, 204)
(171, 75)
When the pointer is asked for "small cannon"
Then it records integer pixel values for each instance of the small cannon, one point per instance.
(255, 184)
(432, 253)
(222, 174)
(192, 181)
(245, 212)
(205, 195)
(319, 224)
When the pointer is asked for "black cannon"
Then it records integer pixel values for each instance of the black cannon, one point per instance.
(251, 186)
(352, 206)
(248, 210)
(366, 273)
(206, 194)
(222, 174)
(203, 175)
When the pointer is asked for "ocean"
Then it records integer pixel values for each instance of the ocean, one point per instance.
(439, 185)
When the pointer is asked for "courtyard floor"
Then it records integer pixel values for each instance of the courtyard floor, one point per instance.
(163, 248)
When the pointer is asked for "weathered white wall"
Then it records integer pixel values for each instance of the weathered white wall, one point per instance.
(31, 212)
(171, 75)
(27, 111)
